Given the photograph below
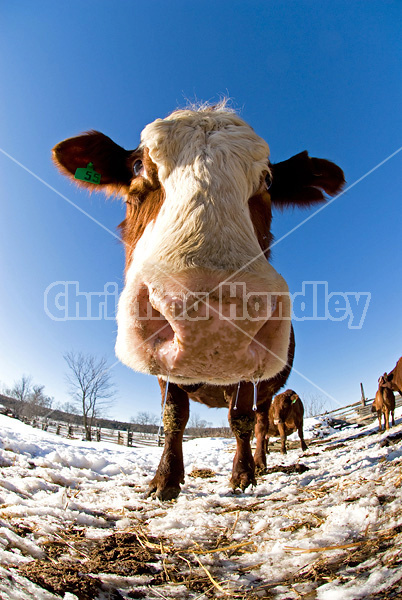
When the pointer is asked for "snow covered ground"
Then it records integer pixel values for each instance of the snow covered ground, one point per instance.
(332, 532)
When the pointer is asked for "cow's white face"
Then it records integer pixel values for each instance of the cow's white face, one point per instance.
(209, 164)
(201, 303)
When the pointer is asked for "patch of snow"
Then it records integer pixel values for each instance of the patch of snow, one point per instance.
(351, 492)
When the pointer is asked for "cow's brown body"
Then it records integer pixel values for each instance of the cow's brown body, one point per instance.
(199, 192)
(285, 417)
(384, 404)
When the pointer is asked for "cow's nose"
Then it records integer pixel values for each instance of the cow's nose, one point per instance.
(221, 333)
(180, 326)
(277, 421)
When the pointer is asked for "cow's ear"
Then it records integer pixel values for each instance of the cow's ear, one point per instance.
(107, 159)
(302, 181)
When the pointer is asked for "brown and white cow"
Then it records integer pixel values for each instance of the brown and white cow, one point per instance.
(384, 403)
(202, 308)
(285, 417)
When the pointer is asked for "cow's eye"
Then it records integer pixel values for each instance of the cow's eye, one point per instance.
(268, 180)
(137, 167)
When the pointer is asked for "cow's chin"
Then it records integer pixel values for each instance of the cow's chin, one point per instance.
(217, 351)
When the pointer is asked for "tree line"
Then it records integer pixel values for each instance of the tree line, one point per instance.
(92, 393)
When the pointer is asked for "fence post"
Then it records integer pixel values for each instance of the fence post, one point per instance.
(129, 437)
(363, 397)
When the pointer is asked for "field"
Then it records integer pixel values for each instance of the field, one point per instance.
(325, 524)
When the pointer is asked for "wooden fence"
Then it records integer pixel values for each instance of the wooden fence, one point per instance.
(356, 413)
(114, 436)
(352, 413)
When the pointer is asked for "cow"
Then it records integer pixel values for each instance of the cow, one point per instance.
(384, 403)
(285, 417)
(202, 307)
(393, 379)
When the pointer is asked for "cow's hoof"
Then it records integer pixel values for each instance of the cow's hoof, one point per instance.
(169, 492)
(260, 469)
(304, 447)
(242, 481)
(260, 465)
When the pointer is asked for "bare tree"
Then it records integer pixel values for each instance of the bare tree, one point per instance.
(144, 422)
(36, 401)
(31, 398)
(314, 404)
(197, 427)
(90, 387)
(21, 389)
(38, 397)
(196, 422)
(70, 408)
(144, 418)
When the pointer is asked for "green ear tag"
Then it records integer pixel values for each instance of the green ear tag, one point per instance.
(294, 400)
(88, 174)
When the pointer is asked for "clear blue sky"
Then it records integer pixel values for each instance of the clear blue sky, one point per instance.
(317, 75)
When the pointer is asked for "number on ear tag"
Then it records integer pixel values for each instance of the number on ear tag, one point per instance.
(88, 174)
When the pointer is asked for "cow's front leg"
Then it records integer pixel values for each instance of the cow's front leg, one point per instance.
(170, 472)
(241, 420)
(261, 435)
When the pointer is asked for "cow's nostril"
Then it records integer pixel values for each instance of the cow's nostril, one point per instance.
(154, 326)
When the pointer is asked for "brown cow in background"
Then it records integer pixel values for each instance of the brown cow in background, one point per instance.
(384, 403)
(285, 417)
(393, 380)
